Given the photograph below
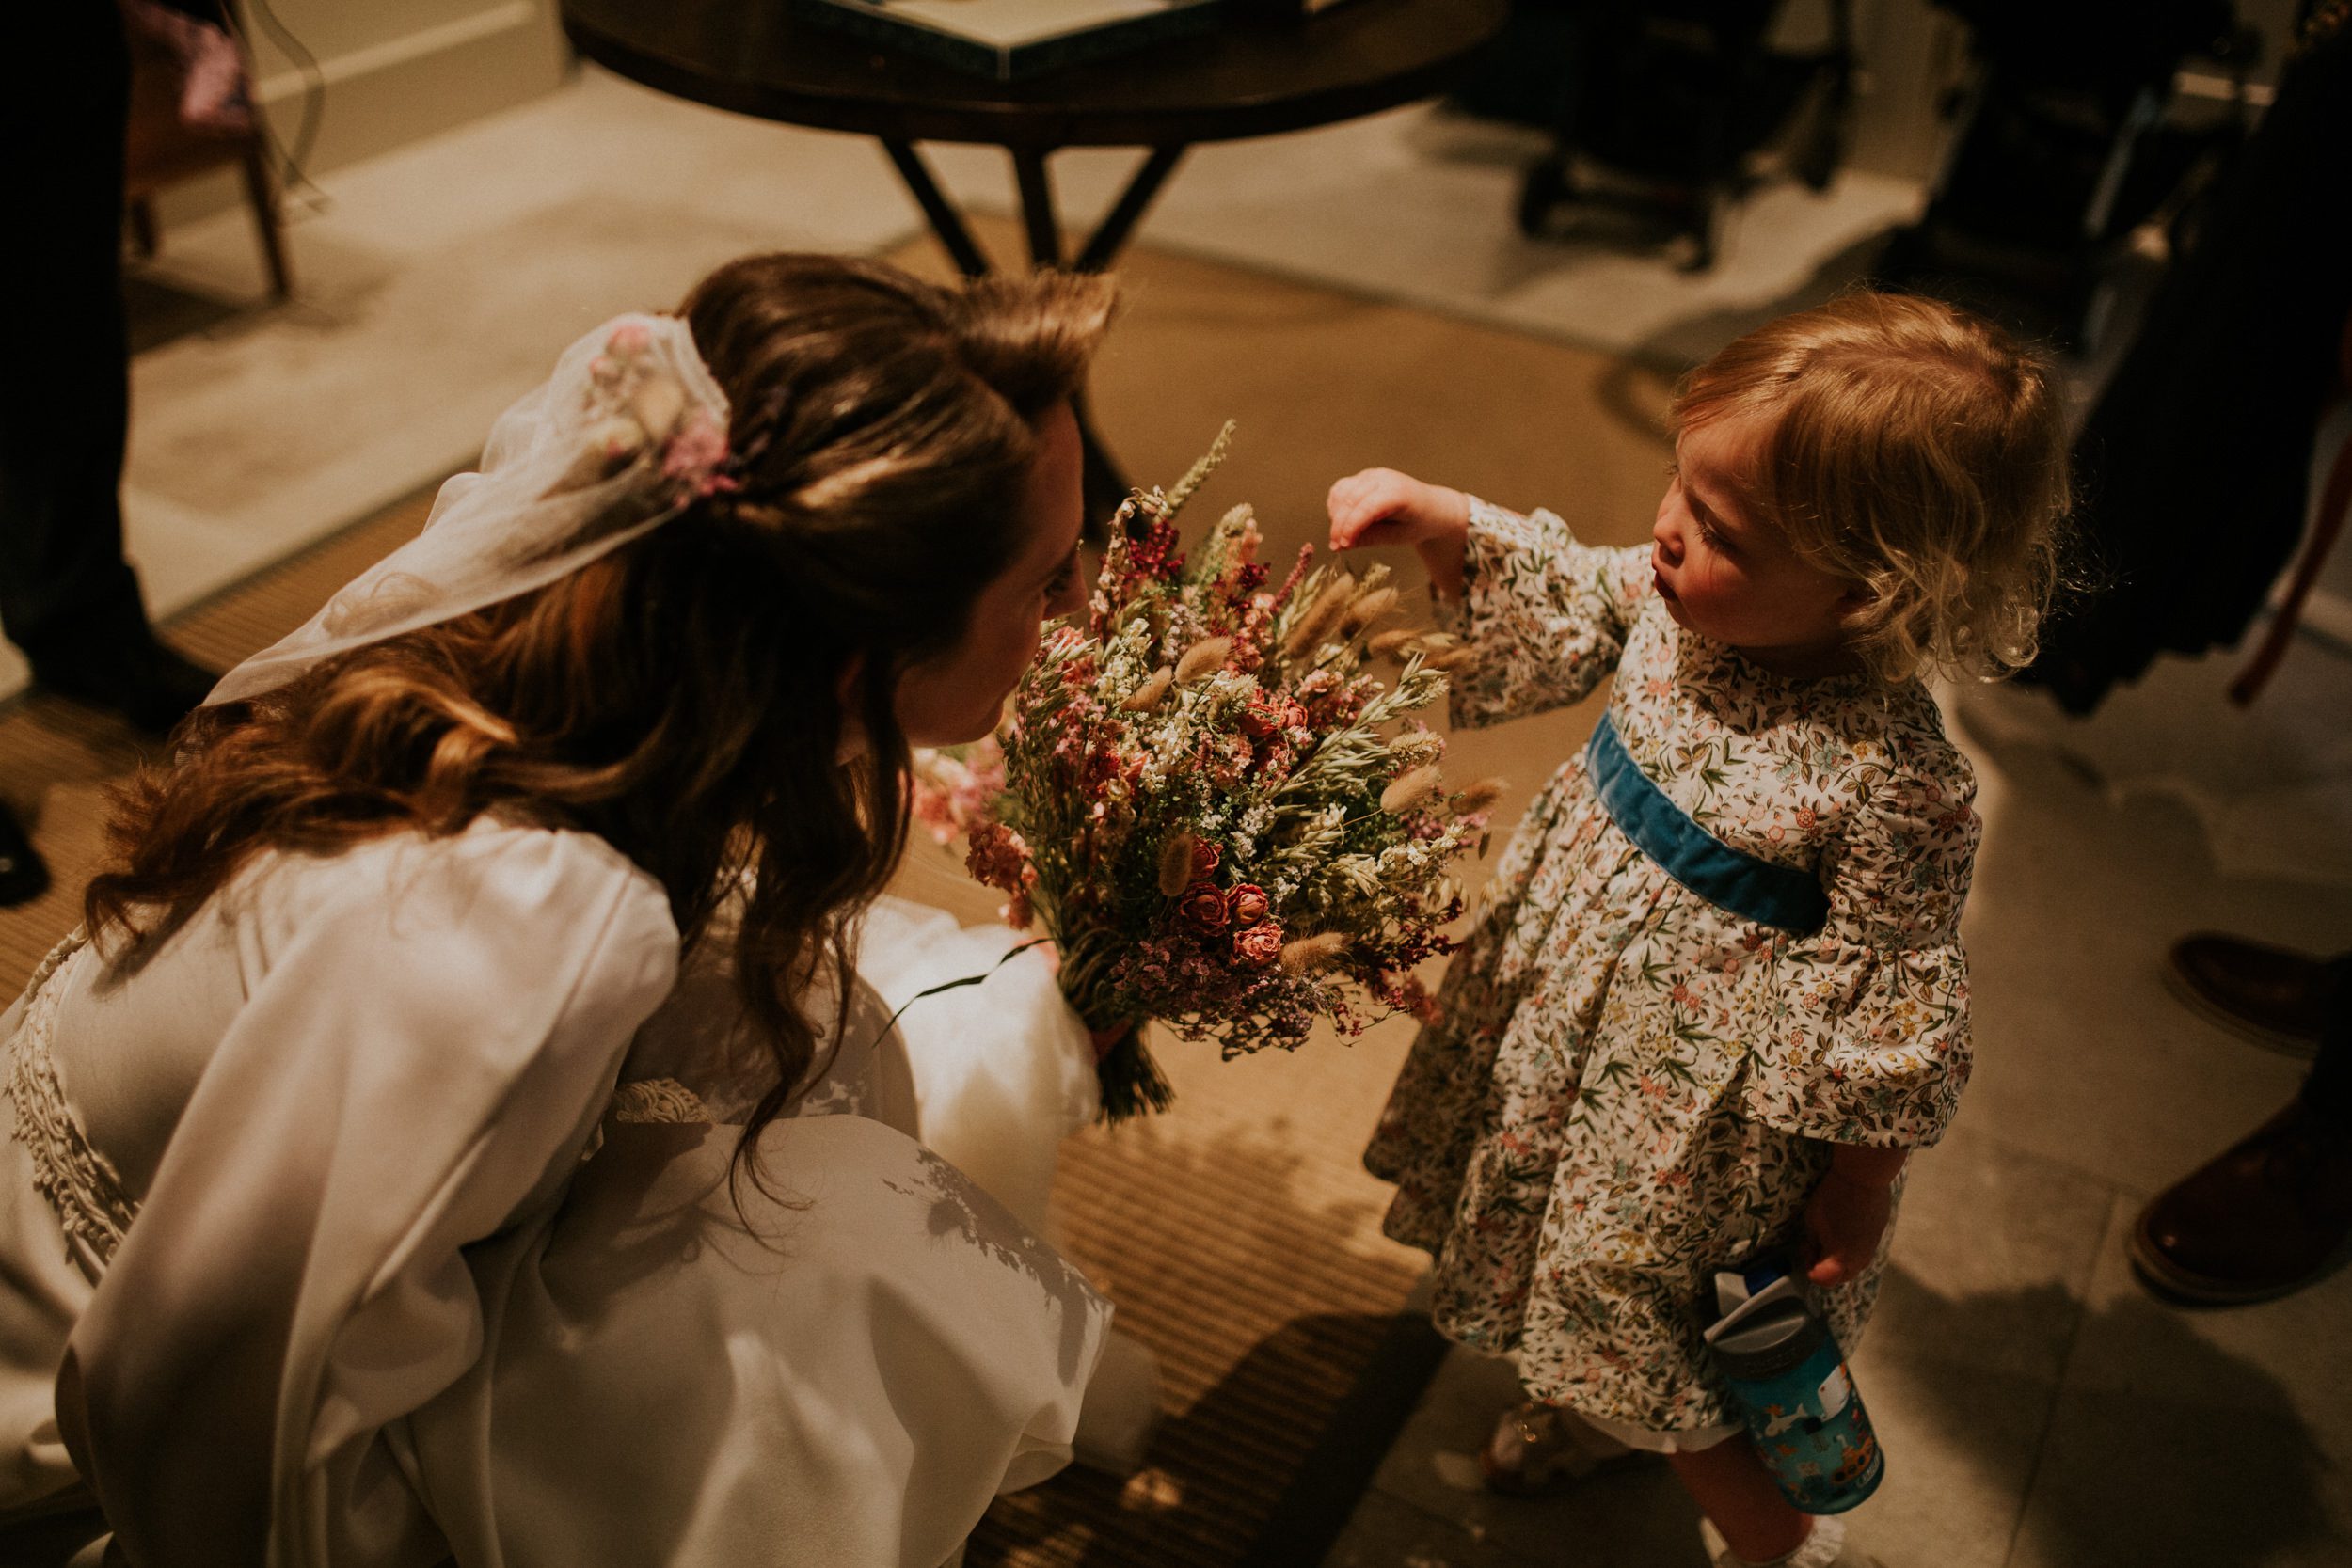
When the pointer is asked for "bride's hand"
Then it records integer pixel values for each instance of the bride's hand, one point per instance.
(1106, 1040)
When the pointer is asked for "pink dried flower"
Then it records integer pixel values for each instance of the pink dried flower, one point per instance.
(1260, 717)
(1251, 904)
(1261, 944)
(1298, 570)
(1228, 760)
(694, 453)
(1203, 905)
(1000, 857)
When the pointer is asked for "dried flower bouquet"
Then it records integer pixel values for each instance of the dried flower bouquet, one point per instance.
(1217, 811)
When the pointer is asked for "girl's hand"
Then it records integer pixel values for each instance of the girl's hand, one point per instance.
(1845, 1220)
(1381, 506)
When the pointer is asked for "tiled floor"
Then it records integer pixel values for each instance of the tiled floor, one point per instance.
(2040, 1410)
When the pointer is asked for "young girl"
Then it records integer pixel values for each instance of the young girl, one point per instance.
(1717, 992)
(463, 1137)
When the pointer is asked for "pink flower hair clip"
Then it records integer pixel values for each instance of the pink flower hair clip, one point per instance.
(696, 456)
(650, 410)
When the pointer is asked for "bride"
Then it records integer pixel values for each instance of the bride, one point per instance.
(464, 1134)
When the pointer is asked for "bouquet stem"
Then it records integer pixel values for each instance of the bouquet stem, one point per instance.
(1131, 1081)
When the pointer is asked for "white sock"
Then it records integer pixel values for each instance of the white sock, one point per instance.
(1819, 1550)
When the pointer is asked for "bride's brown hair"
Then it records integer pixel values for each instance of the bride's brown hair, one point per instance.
(681, 698)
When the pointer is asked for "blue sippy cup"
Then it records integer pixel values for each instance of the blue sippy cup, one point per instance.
(1802, 1410)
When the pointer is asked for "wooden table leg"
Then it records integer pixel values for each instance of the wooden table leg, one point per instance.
(1110, 237)
(1037, 207)
(945, 221)
(1043, 223)
(1105, 483)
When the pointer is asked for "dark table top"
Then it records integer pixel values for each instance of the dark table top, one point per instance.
(1252, 77)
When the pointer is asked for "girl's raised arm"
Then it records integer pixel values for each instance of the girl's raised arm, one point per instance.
(1544, 617)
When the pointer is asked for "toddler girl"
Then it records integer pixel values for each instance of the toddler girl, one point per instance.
(1717, 994)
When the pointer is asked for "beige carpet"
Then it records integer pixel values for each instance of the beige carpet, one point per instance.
(1237, 1234)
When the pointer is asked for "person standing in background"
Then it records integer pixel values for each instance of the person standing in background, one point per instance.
(68, 600)
(2272, 1213)
(2193, 467)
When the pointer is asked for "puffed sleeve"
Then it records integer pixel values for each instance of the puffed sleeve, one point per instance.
(431, 1047)
(1546, 616)
(1866, 1038)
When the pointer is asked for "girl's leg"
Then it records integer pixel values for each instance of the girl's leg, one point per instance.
(1732, 1488)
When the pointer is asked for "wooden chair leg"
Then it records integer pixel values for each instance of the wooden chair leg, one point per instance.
(262, 192)
(146, 237)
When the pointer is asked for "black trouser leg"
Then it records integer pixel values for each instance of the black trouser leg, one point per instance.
(66, 594)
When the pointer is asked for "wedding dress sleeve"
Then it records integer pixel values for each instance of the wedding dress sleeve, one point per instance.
(1003, 1070)
(838, 1355)
(429, 1049)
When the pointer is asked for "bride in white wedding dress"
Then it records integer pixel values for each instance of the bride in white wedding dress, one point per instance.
(462, 1136)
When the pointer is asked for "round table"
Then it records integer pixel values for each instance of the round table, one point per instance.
(1257, 74)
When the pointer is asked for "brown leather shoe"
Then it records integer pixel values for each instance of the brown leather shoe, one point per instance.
(2268, 1215)
(2271, 995)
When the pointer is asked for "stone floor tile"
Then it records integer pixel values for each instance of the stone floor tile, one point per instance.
(2083, 1056)
(1637, 1516)
(1385, 1533)
(2197, 1435)
(1993, 1247)
(1982, 1296)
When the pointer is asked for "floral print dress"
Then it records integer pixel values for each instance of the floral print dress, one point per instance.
(1630, 1086)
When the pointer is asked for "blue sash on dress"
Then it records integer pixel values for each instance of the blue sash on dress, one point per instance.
(1748, 886)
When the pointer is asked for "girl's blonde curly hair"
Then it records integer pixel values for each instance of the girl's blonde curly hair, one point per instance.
(1913, 449)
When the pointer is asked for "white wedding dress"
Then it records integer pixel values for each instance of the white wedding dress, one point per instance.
(439, 1250)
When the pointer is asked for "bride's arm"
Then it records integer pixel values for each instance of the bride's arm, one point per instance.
(417, 1061)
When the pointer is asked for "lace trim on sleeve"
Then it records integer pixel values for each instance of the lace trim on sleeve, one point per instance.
(82, 1186)
(655, 1099)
